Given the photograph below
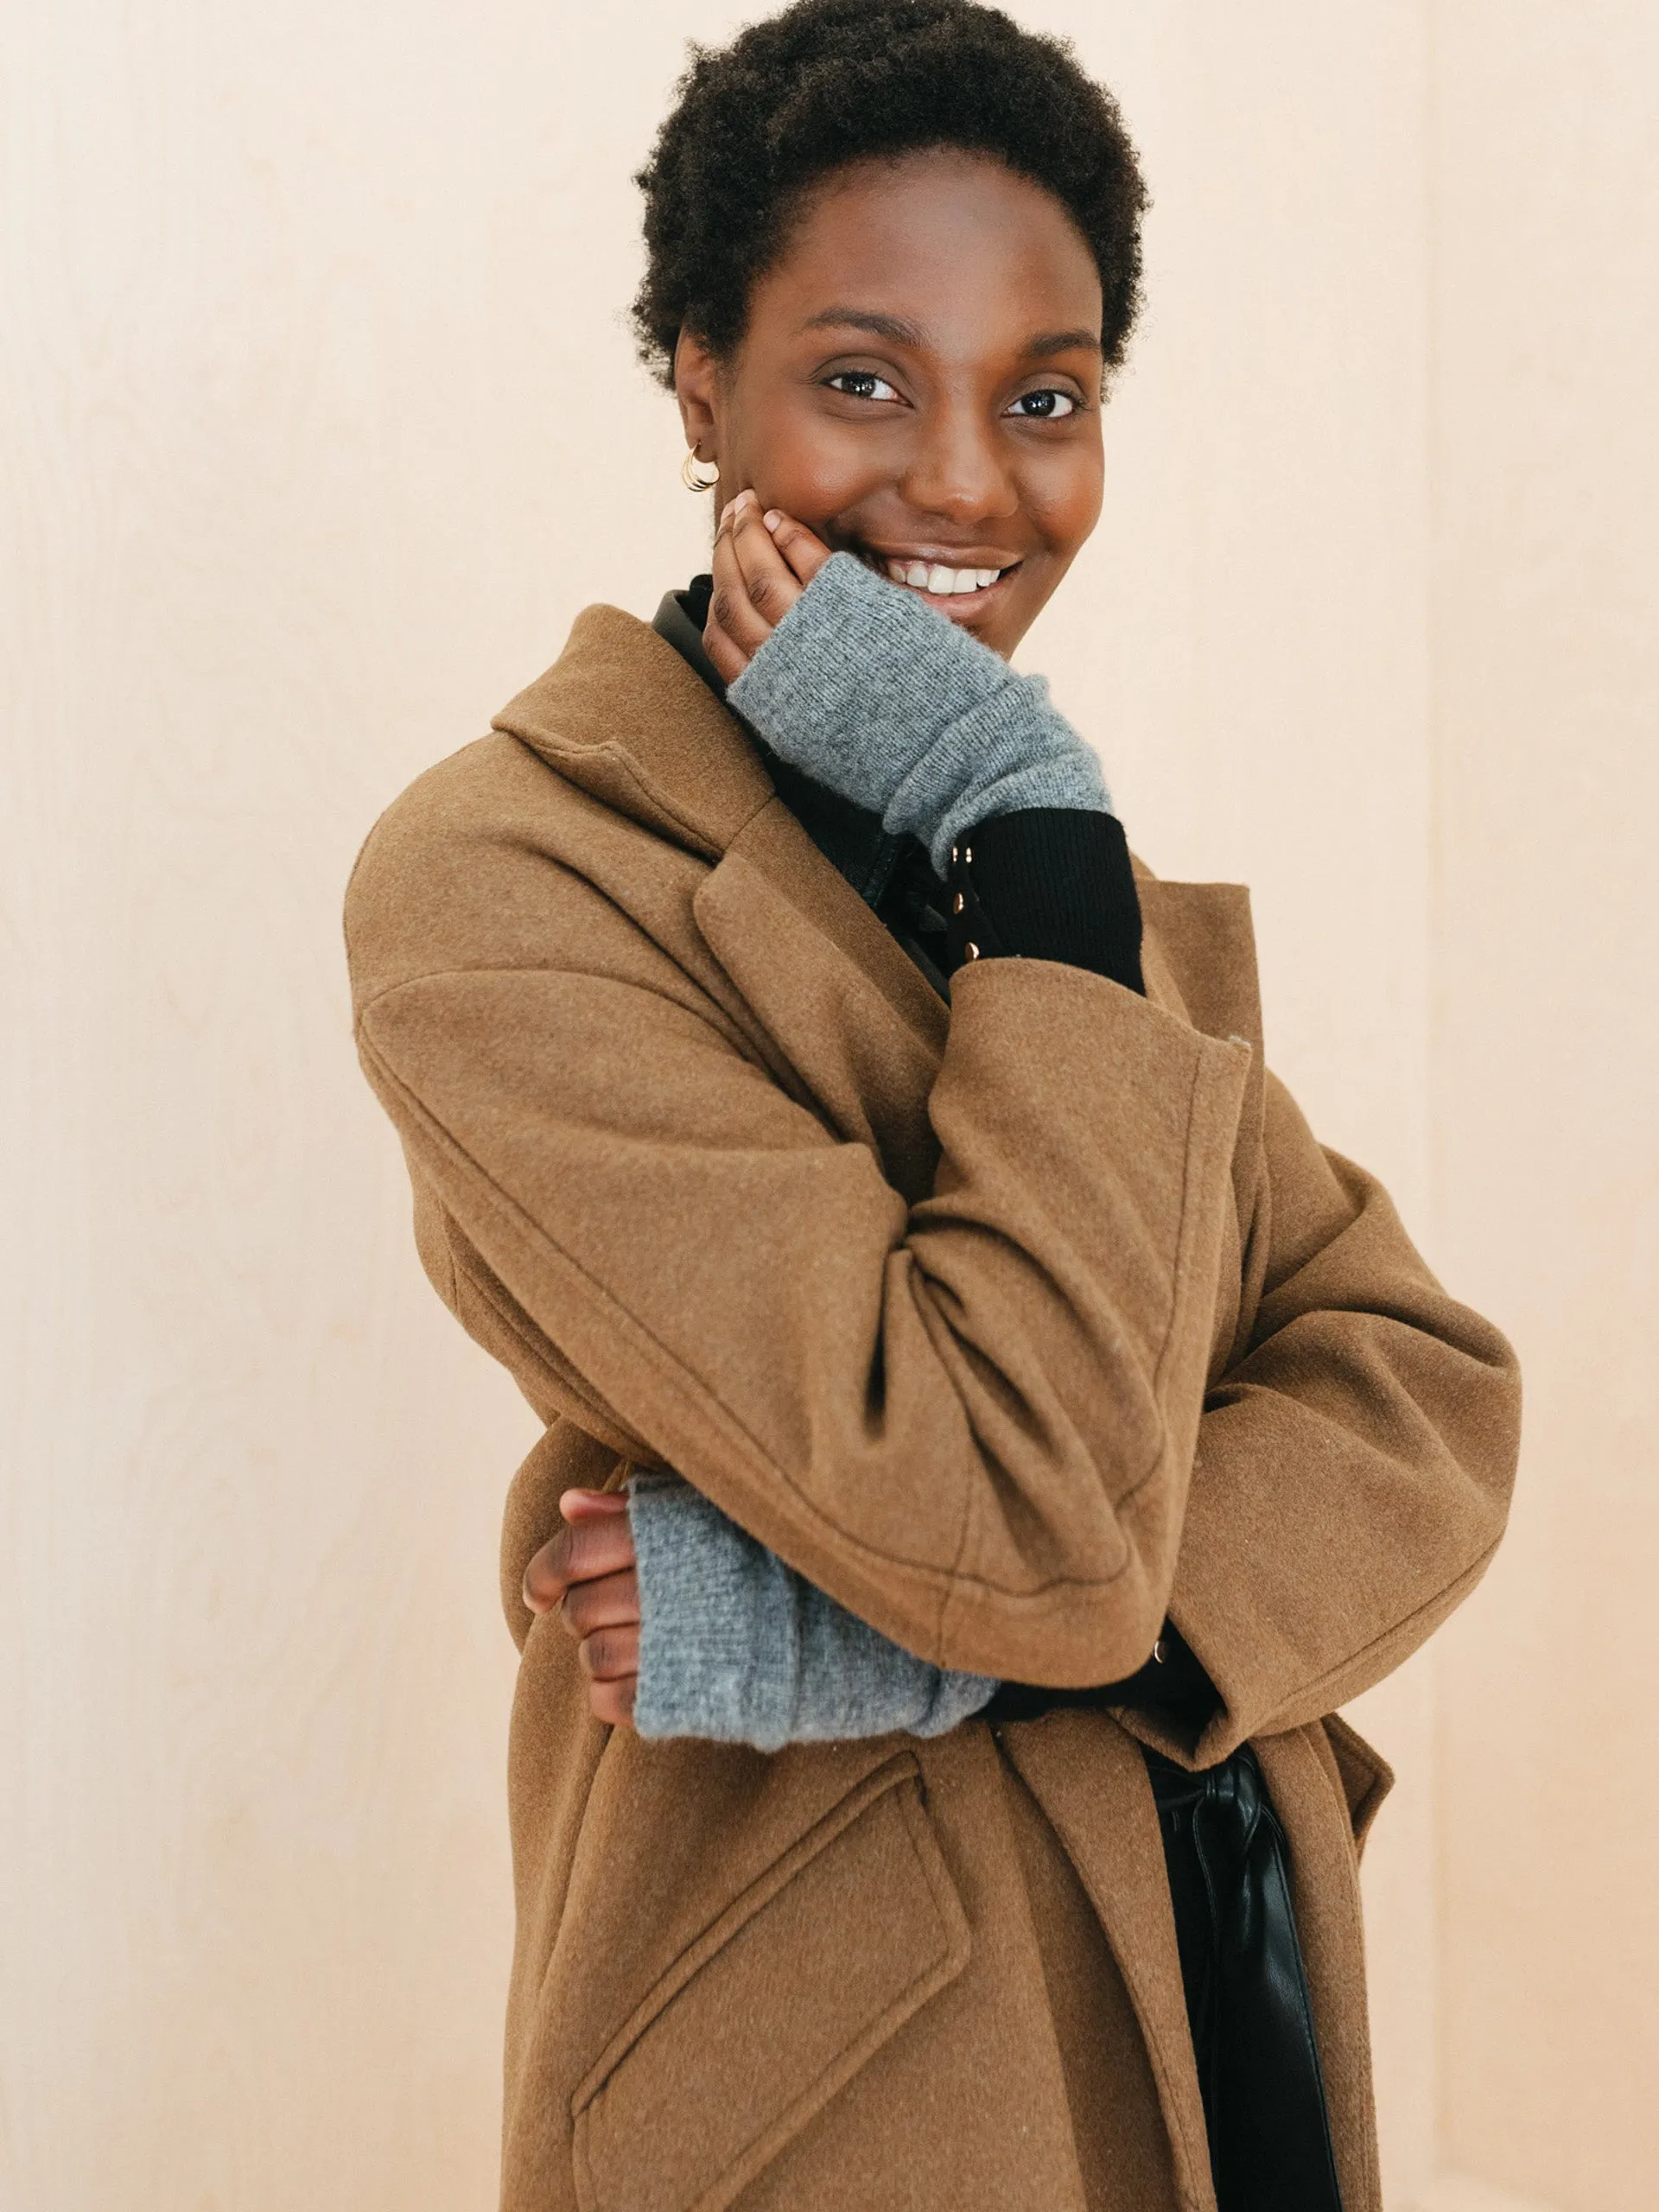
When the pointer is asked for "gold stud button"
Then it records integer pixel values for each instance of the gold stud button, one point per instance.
(967, 856)
(955, 856)
(957, 904)
(972, 951)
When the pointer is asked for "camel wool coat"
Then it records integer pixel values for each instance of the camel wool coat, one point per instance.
(1014, 1324)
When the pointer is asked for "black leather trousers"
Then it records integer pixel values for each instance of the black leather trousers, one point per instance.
(1246, 1998)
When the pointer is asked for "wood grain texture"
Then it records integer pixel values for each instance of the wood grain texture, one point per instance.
(1451, 2192)
(1547, 567)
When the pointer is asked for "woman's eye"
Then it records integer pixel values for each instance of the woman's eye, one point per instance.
(1044, 406)
(861, 383)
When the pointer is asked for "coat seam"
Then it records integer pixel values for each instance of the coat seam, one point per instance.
(1356, 1926)
(1170, 2101)
(1128, 1497)
(591, 1403)
(696, 833)
(1482, 1560)
(1180, 1270)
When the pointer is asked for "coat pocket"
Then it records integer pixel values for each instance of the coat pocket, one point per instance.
(1365, 1775)
(774, 2007)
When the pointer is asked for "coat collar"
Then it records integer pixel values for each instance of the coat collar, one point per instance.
(851, 838)
(621, 715)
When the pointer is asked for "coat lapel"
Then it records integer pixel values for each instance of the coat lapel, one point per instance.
(850, 1011)
(621, 715)
(1090, 1780)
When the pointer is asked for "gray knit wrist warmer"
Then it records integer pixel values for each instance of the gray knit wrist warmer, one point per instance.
(736, 1646)
(868, 691)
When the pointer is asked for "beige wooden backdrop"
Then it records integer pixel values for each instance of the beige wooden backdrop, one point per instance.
(318, 422)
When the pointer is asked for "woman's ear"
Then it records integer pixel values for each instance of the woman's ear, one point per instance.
(696, 387)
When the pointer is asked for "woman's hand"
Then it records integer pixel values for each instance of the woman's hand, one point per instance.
(587, 1574)
(763, 562)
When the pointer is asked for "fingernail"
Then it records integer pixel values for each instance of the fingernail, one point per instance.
(772, 517)
(743, 499)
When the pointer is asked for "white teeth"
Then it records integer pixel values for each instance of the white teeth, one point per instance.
(942, 582)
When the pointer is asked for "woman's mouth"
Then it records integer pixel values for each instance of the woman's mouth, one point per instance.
(958, 590)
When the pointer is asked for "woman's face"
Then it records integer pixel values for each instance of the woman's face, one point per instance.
(919, 384)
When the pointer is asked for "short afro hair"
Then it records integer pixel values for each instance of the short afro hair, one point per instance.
(829, 82)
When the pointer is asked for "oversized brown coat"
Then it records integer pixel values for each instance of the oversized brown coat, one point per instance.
(1012, 1325)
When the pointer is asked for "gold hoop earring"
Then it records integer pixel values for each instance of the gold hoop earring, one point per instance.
(690, 475)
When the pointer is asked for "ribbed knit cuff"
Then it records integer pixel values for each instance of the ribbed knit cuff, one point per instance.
(1050, 883)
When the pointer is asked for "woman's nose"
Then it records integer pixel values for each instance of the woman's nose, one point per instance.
(957, 469)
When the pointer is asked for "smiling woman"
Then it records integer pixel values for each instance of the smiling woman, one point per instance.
(920, 382)
(986, 1436)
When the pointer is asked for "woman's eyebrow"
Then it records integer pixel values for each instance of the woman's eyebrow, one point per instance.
(893, 327)
(898, 332)
(1063, 341)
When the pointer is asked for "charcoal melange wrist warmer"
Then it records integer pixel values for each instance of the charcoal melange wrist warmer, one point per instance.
(736, 1646)
(870, 692)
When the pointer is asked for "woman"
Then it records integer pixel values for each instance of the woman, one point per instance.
(993, 1436)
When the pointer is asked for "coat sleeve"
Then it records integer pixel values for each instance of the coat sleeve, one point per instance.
(970, 1420)
(1354, 1462)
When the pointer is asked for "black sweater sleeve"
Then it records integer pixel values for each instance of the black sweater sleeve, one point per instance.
(1048, 883)
(1172, 1683)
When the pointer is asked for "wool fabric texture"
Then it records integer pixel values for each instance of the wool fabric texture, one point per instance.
(867, 689)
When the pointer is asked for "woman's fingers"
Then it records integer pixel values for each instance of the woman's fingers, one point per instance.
(591, 1505)
(612, 1701)
(732, 608)
(754, 585)
(593, 1544)
(609, 1654)
(610, 1659)
(806, 553)
(734, 632)
(727, 657)
(587, 1574)
(609, 1601)
(771, 585)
